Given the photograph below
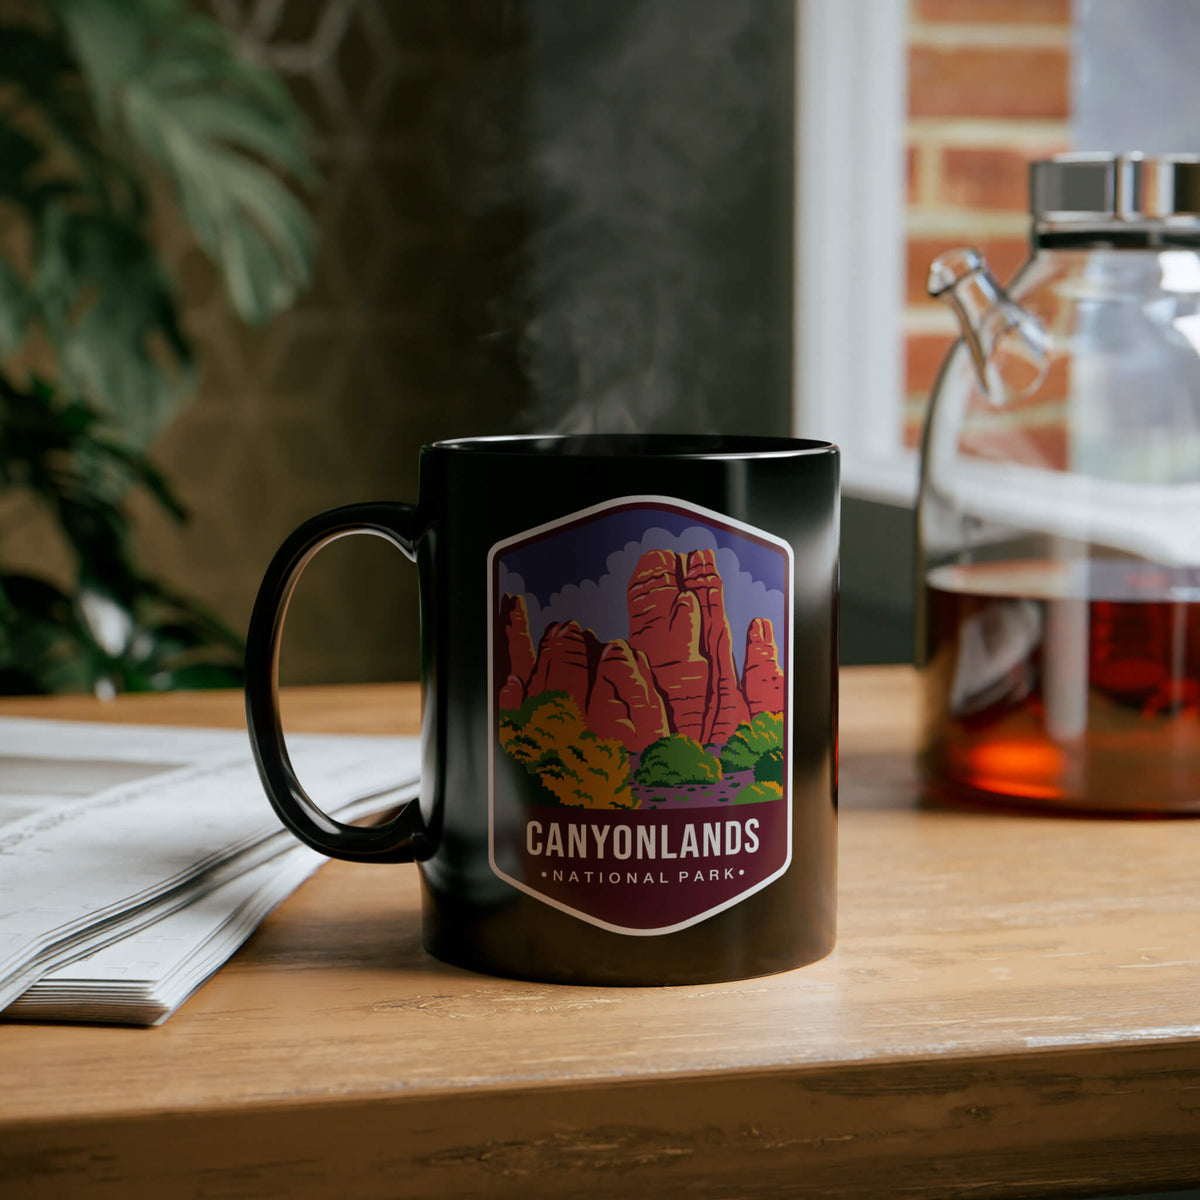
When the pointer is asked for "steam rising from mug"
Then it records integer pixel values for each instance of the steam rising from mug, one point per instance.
(656, 273)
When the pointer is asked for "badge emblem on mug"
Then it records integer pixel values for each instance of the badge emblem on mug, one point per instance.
(640, 707)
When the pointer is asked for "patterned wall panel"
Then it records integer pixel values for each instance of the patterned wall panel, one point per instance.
(397, 344)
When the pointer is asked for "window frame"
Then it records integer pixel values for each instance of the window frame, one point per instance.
(850, 188)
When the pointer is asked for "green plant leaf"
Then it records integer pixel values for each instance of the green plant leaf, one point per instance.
(221, 118)
(42, 648)
(90, 104)
(197, 675)
(18, 154)
(111, 313)
(14, 310)
(48, 98)
(65, 456)
(175, 90)
(142, 471)
(48, 643)
(33, 60)
(107, 38)
(203, 627)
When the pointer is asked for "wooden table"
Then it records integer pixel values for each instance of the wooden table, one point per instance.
(1013, 1009)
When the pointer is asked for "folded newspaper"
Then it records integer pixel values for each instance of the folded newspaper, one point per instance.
(135, 860)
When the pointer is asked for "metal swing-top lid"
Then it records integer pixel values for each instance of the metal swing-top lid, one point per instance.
(1071, 191)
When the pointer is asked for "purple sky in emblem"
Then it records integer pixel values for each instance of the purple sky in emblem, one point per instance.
(581, 574)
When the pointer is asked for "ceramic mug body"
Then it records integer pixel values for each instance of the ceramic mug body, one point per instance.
(629, 685)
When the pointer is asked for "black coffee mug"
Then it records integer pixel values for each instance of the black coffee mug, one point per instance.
(629, 686)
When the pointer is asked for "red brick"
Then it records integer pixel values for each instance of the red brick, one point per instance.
(912, 183)
(1043, 406)
(994, 12)
(1052, 391)
(1032, 445)
(988, 81)
(1057, 384)
(923, 355)
(1004, 256)
(986, 178)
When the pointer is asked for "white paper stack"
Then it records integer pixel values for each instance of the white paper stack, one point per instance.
(135, 860)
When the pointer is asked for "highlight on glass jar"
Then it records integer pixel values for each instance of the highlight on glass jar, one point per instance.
(1059, 508)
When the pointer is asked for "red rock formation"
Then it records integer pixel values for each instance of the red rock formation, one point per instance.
(511, 694)
(623, 703)
(665, 625)
(676, 673)
(762, 679)
(726, 706)
(516, 645)
(565, 662)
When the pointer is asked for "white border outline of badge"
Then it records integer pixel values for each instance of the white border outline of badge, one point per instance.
(706, 514)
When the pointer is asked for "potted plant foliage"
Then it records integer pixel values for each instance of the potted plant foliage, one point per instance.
(107, 109)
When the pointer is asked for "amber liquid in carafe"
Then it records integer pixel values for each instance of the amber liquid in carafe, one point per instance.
(1064, 685)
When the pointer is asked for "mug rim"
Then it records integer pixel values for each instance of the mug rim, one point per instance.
(639, 445)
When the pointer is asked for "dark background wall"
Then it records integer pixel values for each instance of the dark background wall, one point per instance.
(658, 267)
(535, 215)
(877, 582)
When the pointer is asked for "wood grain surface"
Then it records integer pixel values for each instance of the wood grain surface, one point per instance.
(1013, 1009)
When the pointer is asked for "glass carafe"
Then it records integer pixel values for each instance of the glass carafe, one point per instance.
(1059, 511)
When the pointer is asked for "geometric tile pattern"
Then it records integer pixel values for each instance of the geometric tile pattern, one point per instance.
(329, 403)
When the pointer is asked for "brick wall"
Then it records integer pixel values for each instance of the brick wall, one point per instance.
(988, 92)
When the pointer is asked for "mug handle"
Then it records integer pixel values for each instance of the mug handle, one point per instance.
(403, 838)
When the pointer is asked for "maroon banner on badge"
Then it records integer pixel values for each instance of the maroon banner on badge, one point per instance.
(653, 871)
